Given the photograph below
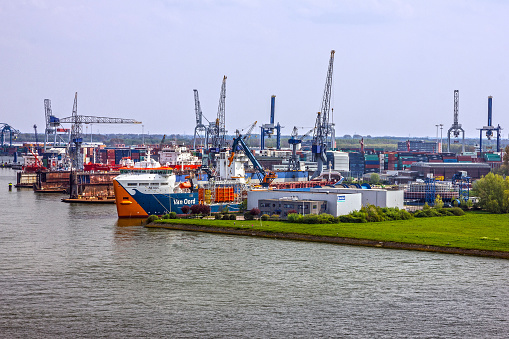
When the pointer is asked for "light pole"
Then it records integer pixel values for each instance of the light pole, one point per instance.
(441, 127)
(436, 149)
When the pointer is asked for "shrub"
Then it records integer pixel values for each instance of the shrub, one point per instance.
(294, 217)
(326, 219)
(254, 211)
(426, 213)
(151, 218)
(310, 219)
(225, 216)
(200, 209)
(233, 217)
(173, 215)
(274, 217)
(292, 212)
(457, 211)
(248, 216)
(405, 215)
(185, 209)
(264, 217)
(218, 216)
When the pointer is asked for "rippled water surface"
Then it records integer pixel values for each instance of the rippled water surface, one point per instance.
(76, 271)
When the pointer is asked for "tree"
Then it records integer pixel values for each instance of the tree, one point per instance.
(374, 178)
(504, 169)
(493, 193)
(438, 202)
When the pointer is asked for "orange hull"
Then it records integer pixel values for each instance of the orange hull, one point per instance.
(127, 207)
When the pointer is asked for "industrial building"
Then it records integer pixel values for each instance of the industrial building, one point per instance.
(447, 170)
(334, 201)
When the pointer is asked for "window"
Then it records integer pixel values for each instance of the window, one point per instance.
(288, 205)
(314, 206)
(132, 184)
(143, 183)
(164, 184)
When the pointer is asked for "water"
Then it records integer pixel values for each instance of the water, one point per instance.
(76, 271)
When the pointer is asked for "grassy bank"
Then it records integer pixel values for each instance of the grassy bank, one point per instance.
(474, 230)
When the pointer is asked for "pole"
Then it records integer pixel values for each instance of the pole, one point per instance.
(441, 127)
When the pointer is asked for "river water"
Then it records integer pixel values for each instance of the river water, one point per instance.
(77, 271)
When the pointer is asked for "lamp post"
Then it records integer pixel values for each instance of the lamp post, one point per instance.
(436, 150)
(441, 128)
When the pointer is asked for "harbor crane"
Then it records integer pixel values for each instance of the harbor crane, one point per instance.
(456, 127)
(200, 130)
(323, 135)
(76, 139)
(266, 177)
(294, 163)
(268, 129)
(6, 129)
(35, 131)
(490, 128)
(216, 132)
(52, 126)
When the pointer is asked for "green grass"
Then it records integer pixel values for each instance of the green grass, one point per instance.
(474, 230)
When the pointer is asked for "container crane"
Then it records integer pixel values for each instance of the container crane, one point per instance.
(456, 127)
(323, 133)
(294, 163)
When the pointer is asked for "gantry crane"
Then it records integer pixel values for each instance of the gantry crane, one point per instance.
(200, 129)
(490, 128)
(323, 134)
(76, 131)
(7, 129)
(456, 127)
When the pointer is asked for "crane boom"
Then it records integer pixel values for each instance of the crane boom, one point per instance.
(266, 177)
(323, 127)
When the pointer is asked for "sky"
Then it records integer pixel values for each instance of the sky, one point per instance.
(396, 65)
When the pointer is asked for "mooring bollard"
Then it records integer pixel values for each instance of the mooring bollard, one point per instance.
(10, 186)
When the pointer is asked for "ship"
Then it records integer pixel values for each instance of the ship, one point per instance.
(179, 158)
(148, 188)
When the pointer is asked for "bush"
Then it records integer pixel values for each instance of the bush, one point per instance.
(274, 217)
(151, 218)
(233, 217)
(457, 211)
(248, 216)
(254, 211)
(185, 209)
(310, 219)
(438, 202)
(200, 209)
(294, 217)
(292, 212)
(327, 219)
(225, 216)
(264, 217)
(172, 215)
(218, 216)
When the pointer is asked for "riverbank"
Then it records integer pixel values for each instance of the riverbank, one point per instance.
(477, 234)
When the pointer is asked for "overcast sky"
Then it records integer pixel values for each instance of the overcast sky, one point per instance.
(397, 63)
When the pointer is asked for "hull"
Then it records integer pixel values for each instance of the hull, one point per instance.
(131, 203)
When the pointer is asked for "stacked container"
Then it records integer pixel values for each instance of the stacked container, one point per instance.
(371, 163)
(356, 160)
